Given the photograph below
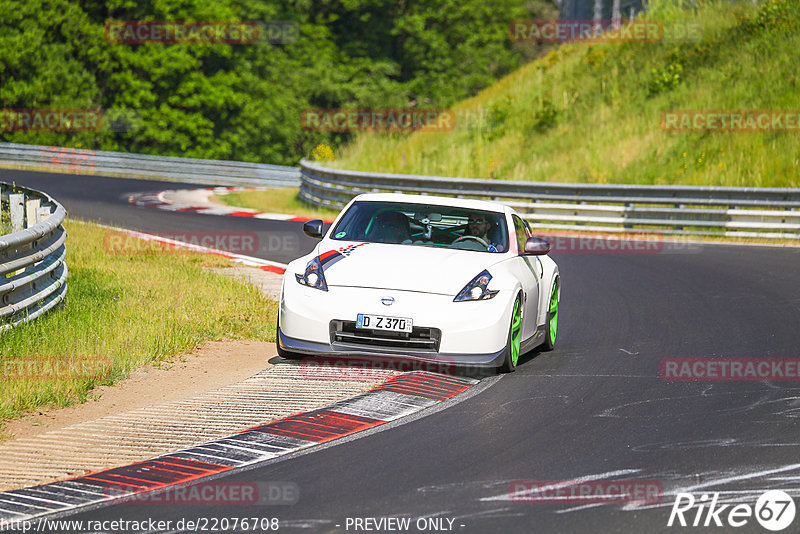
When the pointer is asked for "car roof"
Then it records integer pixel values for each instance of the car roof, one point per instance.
(469, 203)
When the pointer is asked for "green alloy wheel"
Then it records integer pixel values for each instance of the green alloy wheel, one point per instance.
(514, 338)
(552, 320)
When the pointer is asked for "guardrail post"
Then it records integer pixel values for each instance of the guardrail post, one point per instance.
(628, 206)
(43, 214)
(15, 207)
(32, 211)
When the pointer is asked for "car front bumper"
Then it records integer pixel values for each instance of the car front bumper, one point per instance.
(428, 361)
(469, 333)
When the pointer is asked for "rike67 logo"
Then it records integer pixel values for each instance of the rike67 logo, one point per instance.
(774, 510)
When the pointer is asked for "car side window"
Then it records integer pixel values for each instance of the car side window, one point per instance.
(522, 232)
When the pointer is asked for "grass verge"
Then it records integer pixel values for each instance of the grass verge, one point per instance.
(123, 311)
(283, 200)
(591, 112)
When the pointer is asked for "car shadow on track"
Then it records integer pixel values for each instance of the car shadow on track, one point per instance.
(364, 368)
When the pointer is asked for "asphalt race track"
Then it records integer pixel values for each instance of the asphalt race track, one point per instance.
(594, 409)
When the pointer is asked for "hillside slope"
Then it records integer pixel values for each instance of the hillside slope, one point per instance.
(592, 112)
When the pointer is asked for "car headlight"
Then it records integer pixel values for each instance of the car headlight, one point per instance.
(313, 277)
(476, 289)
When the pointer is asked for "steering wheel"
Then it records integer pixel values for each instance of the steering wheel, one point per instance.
(472, 237)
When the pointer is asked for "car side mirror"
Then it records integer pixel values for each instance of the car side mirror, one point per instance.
(313, 229)
(536, 246)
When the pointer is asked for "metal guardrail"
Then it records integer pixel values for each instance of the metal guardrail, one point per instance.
(683, 210)
(33, 271)
(201, 171)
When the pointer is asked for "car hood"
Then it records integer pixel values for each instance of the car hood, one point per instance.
(403, 267)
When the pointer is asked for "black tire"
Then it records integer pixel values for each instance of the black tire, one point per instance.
(283, 353)
(288, 355)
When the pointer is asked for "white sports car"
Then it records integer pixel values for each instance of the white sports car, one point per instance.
(447, 280)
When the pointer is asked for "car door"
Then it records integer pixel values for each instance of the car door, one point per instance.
(529, 272)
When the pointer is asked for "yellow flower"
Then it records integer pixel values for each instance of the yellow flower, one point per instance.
(322, 153)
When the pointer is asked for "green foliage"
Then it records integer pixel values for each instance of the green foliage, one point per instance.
(665, 78)
(778, 16)
(244, 102)
(543, 118)
(592, 112)
(496, 119)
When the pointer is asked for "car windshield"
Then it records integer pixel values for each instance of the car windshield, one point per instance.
(423, 225)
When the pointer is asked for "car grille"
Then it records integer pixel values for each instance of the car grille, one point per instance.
(421, 339)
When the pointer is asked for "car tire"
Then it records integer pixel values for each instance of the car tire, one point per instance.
(511, 353)
(283, 353)
(551, 326)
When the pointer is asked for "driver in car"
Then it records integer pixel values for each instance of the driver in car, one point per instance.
(478, 226)
(389, 227)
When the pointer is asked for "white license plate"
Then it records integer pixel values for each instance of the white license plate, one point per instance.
(382, 322)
